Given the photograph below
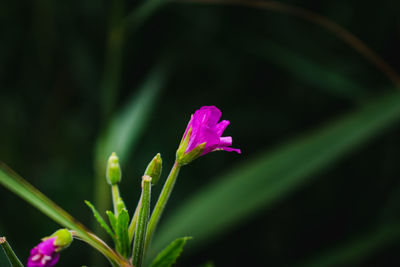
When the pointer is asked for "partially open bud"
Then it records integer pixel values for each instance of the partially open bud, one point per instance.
(46, 253)
(203, 135)
(113, 172)
(154, 169)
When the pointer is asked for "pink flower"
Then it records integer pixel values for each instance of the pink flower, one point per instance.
(203, 135)
(44, 254)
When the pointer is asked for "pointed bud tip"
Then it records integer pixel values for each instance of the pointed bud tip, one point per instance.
(154, 168)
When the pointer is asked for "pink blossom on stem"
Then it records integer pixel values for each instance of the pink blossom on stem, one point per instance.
(44, 254)
(204, 135)
(206, 129)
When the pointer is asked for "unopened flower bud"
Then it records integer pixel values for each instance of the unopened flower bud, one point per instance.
(154, 169)
(113, 172)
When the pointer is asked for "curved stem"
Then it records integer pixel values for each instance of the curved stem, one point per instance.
(102, 247)
(324, 22)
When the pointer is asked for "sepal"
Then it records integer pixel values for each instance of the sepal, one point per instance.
(63, 239)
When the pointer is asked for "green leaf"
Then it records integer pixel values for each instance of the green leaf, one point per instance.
(129, 123)
(121, 231)
(259, 183)
(100, 219)
(112, 219)
(26, 191)
(12, 257)
(168, 256)
(358, 248)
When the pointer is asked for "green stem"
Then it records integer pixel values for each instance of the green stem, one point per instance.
(132, 225)
(101, 246)
(161, 202)
(14, 261)
(115, 197)
(141, 226)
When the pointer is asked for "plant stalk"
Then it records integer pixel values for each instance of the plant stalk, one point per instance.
(12, 257)
(115, 197)
(141, 226)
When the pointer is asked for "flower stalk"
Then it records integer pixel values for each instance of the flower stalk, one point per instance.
(115, 198)
(12, 257)
(142, 221)
(161, 202)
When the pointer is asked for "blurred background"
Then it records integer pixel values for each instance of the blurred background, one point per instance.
(317, 183)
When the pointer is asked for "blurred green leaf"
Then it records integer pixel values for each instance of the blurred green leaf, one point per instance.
(260, 182)
(168, 256)
(112, 219)
(307, 70)
(357, 249)
(143, 12)
(100, 219)
(127, 125)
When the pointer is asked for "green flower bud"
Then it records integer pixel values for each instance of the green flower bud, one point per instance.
(154, 169)
(63, 239)
(113, 172)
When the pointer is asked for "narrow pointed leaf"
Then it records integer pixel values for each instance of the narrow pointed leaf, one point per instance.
(122, 233)
(260, 182)
(112, 219)
(100, 219)
(168, 256)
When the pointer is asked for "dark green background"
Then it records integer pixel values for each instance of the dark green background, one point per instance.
(274, 77)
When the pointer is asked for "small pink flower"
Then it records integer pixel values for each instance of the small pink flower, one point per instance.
(44, 254)
(203, 135)
(206, 129)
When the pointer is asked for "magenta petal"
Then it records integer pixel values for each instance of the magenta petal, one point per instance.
(54, 260)
(208, 115)
(220, 127)
(44, 254)
(230, 149)
(225, 141)
(47, 246)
